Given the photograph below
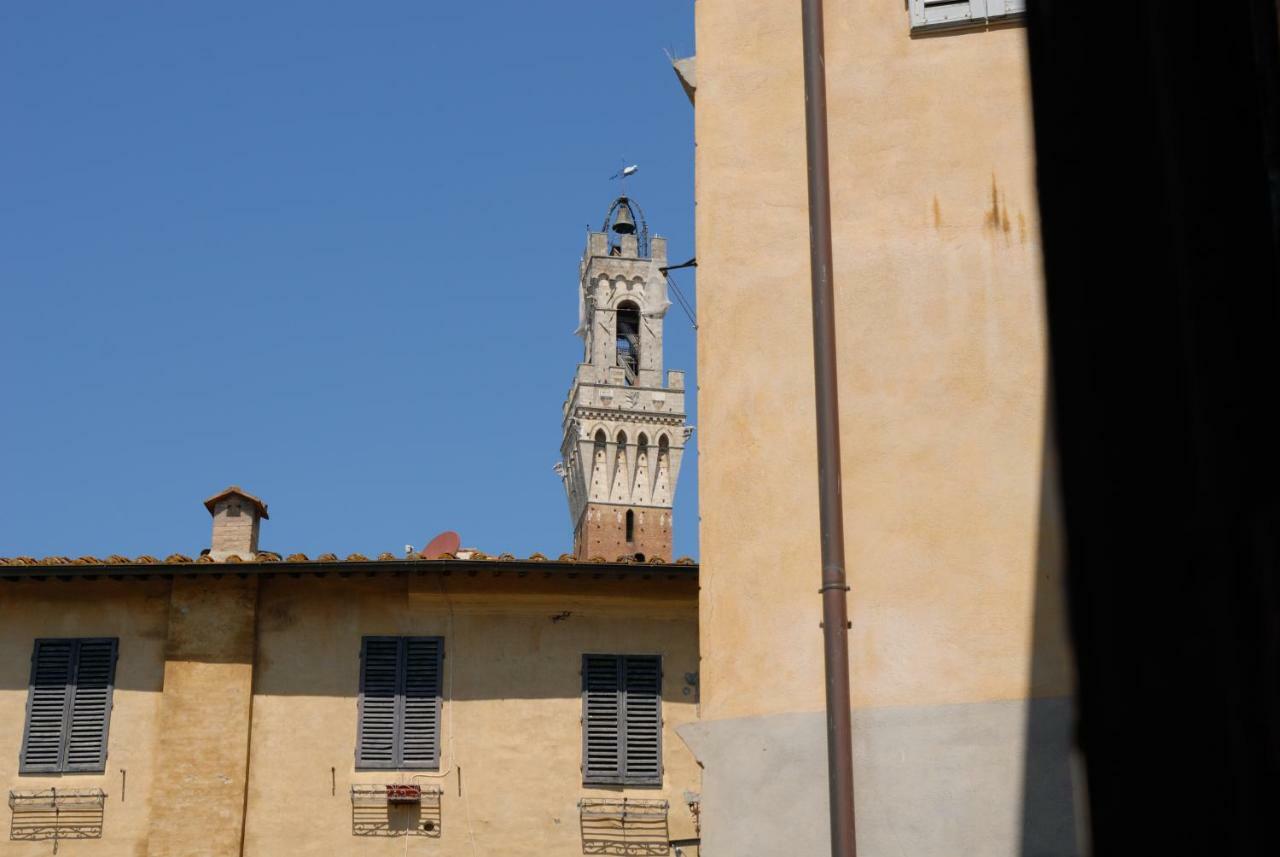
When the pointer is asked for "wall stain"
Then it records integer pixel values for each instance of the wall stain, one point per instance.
(993, 214)
(937, 213)
(997, 217)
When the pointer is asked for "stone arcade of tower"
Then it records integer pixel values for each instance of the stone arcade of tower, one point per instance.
(624, 429)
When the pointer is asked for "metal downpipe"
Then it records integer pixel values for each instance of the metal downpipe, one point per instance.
(835, 619)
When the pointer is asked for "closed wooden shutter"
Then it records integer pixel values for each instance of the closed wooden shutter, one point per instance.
(68, 706)
(379, 681)
(601, 719)
(91, 706)
(642, 738)
(622, 719)
(400, 701)
(420, 722)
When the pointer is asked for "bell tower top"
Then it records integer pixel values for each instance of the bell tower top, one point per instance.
(624, 422)
(623, 290)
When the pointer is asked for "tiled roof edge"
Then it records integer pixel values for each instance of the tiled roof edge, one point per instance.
(271, 563)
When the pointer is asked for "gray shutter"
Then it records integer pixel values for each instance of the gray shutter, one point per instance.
(601, 719)
(377, 730)
(420, 717)
(90, 714)
(929, 14)
(48, 697)
(642, 701)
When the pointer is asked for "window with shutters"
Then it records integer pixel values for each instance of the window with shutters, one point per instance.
(622, 720)
(945, 14)
(398, 724)
(69, 706)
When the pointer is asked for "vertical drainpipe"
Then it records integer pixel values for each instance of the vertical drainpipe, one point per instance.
(835, 635)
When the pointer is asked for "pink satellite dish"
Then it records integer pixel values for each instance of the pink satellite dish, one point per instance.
(446, 542)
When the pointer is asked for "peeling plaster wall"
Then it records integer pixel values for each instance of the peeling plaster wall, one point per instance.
(949, 493)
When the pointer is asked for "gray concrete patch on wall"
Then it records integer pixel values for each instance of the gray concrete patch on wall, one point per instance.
(930, 781)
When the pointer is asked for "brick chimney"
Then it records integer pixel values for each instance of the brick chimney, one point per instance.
(236, 514)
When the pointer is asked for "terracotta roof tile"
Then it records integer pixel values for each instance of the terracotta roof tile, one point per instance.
(272, 556)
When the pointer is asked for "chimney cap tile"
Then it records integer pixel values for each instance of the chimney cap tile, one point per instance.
(236, 490)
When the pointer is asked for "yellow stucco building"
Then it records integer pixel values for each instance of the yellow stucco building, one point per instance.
(960, 673)
(235, 705)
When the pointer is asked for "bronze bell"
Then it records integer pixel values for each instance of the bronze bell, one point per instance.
(623, 223)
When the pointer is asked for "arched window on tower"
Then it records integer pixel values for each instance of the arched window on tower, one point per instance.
(631, 526)
(628, 330)
(599, 478)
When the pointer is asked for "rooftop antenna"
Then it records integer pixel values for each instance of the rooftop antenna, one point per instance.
(445, 543)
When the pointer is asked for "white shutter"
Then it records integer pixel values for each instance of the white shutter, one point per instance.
(1006, 8)
(929, 14)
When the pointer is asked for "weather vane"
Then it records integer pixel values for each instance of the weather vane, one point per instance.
(623, 173)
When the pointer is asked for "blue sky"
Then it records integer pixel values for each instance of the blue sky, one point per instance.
(327, 251)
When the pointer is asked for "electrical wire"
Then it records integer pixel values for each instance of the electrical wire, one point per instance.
(684, 303)
(451, 657)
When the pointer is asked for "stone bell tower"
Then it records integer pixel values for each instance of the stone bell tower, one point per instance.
(624, 428)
